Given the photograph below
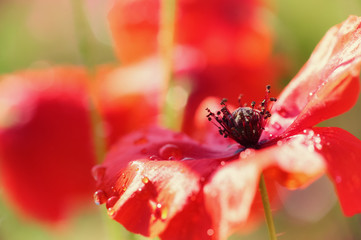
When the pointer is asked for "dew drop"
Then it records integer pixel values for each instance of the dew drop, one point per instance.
(111, 212)
(161, 212)
(99, 197)
(338, 179)
(279, 143)
(223, 163)
(154, 157)
(277, 126)
(283, 112)
(98, 172)
(187, 158)
(141, 140)
(210, 232)
(114, 190)
(145, 180)
(111, 201)
(171, 152)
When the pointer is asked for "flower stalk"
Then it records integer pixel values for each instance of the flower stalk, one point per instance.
(166, 48)
(267, 209)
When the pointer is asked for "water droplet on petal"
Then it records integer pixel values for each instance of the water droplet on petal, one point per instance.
(161, 212)
(338, 179)
(223, 163)
(187, 158)
(283, 112)
(145, 180)
(111, 212)
(113, 189)
(276, 126)
(141, 140)
(210, 232)
(154, 157)
(170, 151)
(99, 197)
(111, 201)
(98, 172)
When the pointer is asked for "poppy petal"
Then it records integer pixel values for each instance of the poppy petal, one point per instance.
(135, 35)
(46, 143)
(128, 99)
(326, 86)
(143, 182)
(342, 152)
(293, 162)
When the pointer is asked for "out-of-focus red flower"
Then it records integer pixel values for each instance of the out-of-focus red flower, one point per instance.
(119, 90)
(130, 97)
(223, 31)
(157, 182)
(231, 42)
(46, 147)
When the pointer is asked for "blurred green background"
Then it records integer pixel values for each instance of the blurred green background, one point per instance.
(39, 33)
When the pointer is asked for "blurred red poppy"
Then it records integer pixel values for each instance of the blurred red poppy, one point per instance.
(230, 41)
(157, 182)
(119, 90)
(223, 31)
(46, 143)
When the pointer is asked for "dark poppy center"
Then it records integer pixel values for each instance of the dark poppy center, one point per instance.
(246, 124)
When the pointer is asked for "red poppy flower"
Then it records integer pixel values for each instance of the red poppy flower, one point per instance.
(157, 182)
(223, 31)
(46, 148)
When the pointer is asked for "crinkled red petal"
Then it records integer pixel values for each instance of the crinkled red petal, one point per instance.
(326, 86)
(342, 152)
(46, 144)
(229, 194)
(156, 177)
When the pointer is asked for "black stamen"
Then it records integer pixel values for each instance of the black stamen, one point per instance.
(245, 124)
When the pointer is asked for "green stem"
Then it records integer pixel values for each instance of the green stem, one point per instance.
(166, 47)
(83, 33)
(84, 37)
(267, 209)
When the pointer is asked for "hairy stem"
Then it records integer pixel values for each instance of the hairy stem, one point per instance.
(267, 209)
